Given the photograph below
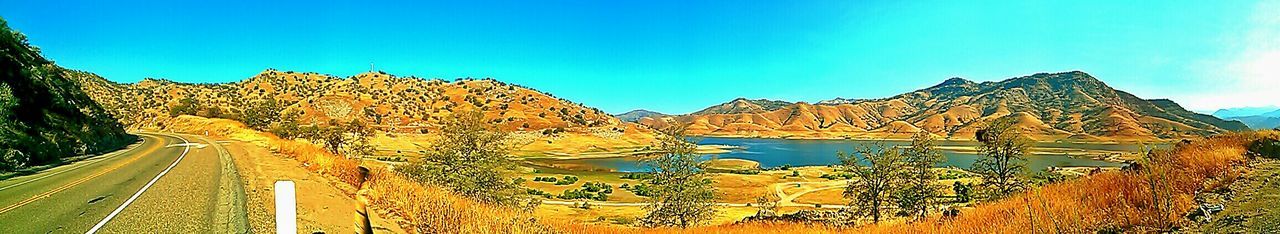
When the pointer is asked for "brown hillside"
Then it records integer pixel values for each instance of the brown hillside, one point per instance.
(389, 103)
(1069, 105)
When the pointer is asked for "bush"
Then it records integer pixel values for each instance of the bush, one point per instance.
(637, 176)
(745, 171)
(545, 179)
(566, 181)
(964, 191)
(842, 175)
(1266, 147)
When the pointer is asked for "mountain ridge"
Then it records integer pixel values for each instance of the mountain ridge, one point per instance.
(1050, 106)
(637, 114)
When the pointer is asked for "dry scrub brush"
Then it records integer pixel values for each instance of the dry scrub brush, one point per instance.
(1151, 196)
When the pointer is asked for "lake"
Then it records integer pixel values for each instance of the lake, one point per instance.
(796, 152)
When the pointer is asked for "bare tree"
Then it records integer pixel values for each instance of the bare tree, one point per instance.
(919, 193)
(876, 180)
(1003, 161)
(682, 193)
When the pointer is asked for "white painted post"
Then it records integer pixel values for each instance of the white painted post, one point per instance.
(286, 208)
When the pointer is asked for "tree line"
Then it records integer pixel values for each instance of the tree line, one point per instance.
(889, 178)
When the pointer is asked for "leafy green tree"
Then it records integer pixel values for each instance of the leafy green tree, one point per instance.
(919, 193)
(185, 106)
(964, 191)
(876, 182)
(468, 159)
(261, 114)
(680, 192)
(1003, 161)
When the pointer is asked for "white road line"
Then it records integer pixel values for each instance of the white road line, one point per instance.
(76, 167)
(140, 191)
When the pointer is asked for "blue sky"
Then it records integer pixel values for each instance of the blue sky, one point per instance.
(681, 56)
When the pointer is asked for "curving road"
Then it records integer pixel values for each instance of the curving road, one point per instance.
(167, 183)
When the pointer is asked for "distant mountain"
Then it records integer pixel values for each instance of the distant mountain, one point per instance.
(636, 115)
(45, 115)
(838, 101)
(1246, 111)
(1275, 113)
(1258, 121)
(1068, 105)
(743, 105)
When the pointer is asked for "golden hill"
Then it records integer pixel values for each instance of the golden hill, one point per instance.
(1069, 105)
(392, 104)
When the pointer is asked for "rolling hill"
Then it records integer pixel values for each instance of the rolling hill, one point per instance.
(388, 103)
(46, 118)
(1247, 111)
(1048, 106)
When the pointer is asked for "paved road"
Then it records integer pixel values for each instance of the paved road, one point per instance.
(168, 183)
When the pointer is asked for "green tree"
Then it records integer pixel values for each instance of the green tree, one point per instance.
(185, 106)
(964, 191)
(357, 133)
(261, 114)
(1003, 161)
(919, 193)
(680, 192)
(876, 182)
(468, 159)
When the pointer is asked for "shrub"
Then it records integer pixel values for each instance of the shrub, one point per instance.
(1266, 147)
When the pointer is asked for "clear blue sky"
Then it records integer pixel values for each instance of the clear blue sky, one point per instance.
(679, 56)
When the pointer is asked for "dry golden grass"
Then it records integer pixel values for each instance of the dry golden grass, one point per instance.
(1150, 199)
(428, 209)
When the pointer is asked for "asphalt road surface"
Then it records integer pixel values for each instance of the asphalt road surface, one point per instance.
(168, 183)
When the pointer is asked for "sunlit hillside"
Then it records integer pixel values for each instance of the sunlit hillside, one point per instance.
(410, 107)
(1072, 106)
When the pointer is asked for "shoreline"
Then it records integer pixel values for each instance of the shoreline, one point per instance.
(908, 138)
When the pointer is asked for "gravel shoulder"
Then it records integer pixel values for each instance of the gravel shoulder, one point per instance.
(1252, 204)
(322, 205)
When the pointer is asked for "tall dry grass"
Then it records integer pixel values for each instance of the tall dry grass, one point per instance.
(1151, 198)
(427, 209)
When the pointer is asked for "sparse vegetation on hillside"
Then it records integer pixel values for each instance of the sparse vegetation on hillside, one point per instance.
(386, 102)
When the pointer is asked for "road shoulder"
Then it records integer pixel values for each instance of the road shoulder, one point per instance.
(322, 206)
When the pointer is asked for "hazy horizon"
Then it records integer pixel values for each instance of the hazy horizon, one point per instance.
(681, 57)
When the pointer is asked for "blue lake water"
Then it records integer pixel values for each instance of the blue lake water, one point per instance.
(794, 152)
